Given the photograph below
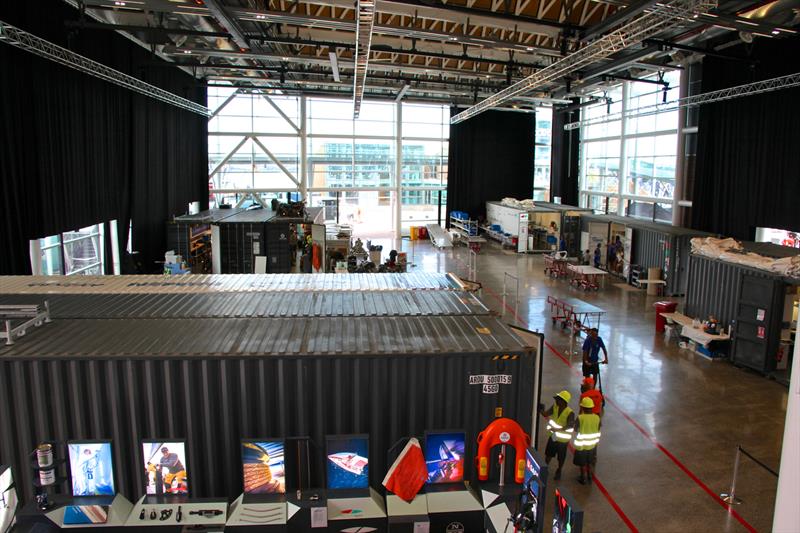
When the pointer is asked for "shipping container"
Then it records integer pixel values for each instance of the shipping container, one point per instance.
(255, 304)
(190, 283)
(570, 224)
(214, 381)
(242, 237)
(652, 245)
(190, 237)
(751, 301)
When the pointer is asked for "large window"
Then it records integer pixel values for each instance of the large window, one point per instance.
(70, 253)
(628, 150)
(357, 170)
(542, 149)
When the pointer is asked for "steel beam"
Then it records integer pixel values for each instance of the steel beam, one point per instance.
(364, 22)
(660, 18)
(218, 11)
(30, 43)
(749, 89)
(620, 16)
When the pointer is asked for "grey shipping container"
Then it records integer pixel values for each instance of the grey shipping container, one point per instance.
(570, 225)
(749, 300)
(655, 245)
(215, 381)
(242, 237)
(181, 229)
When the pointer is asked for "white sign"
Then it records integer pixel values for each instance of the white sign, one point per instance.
(760, 315)
(491, 382)
(319, 517)
(422, 527)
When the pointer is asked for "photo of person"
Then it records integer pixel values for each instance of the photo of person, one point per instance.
(164, 465)
(91, 468)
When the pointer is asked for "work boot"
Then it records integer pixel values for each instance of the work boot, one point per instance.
(582, 480)
(558, 475)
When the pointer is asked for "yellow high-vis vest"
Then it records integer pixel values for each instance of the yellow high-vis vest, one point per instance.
(588, 432)
(556, 423)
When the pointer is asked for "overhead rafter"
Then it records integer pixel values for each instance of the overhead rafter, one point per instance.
(364, 22)
(661, 17)
(219, 13)
(30, 43)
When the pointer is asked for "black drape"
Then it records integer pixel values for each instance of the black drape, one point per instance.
(490, 157)
(748, 152)
(76, 150)
(564, 157)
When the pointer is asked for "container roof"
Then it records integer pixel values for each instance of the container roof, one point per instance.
(245, 337)
(646, 224)
(209, 283)
(255, 304)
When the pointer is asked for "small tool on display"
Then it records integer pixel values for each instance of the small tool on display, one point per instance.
(165, 514)
(141, 515)
(207, 513)
(179, 514)
(153, 514)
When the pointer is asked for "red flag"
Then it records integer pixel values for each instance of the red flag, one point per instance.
(408, 473)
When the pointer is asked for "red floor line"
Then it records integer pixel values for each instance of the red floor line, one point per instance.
(611, 501)
(666, 452)
(616, 507)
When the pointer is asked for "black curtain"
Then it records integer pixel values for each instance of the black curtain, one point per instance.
(564, 157)
(76, 150)
(490, 158)
(748, 152)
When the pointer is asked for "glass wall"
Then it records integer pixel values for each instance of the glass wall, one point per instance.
(79, 252)
(628, 157)
(258, 139)
(542, 148)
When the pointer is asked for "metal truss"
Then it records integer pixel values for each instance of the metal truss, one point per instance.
(661, 17)
(25, 41)
(364, 24)
(749, 89)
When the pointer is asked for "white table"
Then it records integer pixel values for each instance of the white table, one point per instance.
(696, 334)
(586, 276)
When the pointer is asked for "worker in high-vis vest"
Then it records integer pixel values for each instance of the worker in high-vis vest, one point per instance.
(587, 436)
(560, 427)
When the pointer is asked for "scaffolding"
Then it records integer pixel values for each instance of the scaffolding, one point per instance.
(661, 17)
(749, 89)
(30, 43)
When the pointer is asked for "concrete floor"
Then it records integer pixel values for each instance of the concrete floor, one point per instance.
(673, 418)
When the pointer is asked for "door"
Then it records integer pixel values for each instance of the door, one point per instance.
(758, 318)
(571, 233)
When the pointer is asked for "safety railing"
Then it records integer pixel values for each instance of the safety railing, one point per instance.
(730, 497)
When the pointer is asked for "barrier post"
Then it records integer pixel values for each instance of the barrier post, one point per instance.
(730, 497)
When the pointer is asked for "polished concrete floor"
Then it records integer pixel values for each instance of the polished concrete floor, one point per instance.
(673, 418)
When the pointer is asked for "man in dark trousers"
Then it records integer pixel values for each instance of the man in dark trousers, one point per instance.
(591, 352)
(560, 427)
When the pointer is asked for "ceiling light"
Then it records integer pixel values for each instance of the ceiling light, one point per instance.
(775, 32)
(118, 3)
(187, 51)
(261, 17)
(529, 48)
(334, 66)
(453, 38)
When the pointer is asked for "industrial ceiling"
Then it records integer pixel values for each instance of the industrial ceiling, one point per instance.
(451, 51)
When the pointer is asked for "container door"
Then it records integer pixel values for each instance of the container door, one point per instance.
(757, 331)
(571, 232)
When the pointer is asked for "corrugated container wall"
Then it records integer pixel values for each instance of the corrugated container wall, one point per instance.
(214, 402)
(713, 288)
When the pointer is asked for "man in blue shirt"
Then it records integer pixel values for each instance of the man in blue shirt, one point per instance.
(591, 352)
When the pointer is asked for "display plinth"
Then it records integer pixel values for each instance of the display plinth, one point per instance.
(152, 511)
(458, 506)
(404, 516)
(118, 510)
(360, 512)
(492, 494)
(497, 518)
(308, 512)
(265, 515)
